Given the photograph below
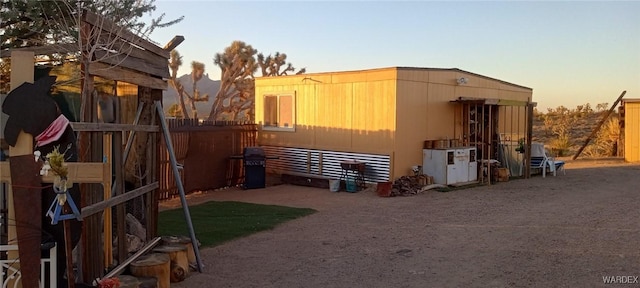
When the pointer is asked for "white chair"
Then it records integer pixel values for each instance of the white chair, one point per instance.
(541, 160)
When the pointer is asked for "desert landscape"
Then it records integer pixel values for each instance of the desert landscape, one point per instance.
(568, 230)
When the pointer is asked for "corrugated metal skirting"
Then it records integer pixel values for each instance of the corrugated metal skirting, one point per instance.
(324, 163)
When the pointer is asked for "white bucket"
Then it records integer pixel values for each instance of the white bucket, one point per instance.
(334, 185)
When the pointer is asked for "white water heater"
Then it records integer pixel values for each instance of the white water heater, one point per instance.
(450, 166)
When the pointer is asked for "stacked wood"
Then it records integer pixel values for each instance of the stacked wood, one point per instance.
(179, 261)
(181, 240)
(410, 185)
(153, 265)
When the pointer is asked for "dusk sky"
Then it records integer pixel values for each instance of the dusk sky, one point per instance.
(570, 52)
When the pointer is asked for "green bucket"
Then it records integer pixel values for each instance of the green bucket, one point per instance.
(351, 185)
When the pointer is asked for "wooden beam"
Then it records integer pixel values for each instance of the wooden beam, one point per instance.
(126, 75)
(112, 127)
(503, 102)
(98, 207)
(107, 236)
(134, 63)
(79, 172)
(593, 133)
(110, 27)
(174, 43)
(126, 48)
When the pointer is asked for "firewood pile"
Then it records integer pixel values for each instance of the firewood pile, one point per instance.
(410, 185)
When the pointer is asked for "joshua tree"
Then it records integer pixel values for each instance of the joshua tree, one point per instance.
(273, 65)
(238, 64)
(235, 99)
(197, 70)
(174, 64)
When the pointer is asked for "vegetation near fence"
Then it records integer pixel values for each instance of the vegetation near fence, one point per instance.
(204, 150)
(230, 220)
(564, 130)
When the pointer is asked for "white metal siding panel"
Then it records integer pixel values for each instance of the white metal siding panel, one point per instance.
(325, 163)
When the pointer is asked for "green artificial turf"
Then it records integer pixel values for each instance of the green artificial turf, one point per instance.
(218, 222)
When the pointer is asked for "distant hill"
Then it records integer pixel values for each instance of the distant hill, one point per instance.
(204, 85)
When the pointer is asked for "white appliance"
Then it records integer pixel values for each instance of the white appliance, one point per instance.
(450, 166)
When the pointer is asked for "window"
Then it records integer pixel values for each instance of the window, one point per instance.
(279, 111)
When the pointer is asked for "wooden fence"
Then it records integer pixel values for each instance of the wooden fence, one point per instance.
(203, 151)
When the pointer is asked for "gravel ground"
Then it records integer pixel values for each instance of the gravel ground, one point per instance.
(563, 231)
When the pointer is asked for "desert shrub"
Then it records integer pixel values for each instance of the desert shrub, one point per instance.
(606, 140)
(560, 145)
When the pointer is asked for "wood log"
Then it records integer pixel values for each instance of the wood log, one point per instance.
(181, 240)
(128, 281)
(178, 256)
(153, 265)
(178, 273)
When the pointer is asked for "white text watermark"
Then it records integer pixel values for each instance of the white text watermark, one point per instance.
(620, 279)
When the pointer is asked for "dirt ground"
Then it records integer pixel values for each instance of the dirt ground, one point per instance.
(563, 231)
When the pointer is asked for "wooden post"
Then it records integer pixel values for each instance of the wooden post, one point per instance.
(529, 131)
(22, 70)
(108, 218)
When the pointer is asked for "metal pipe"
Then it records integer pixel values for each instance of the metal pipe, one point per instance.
(129, 260)
(176, 174)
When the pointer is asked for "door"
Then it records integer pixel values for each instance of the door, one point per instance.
(457, 166)
(473, 164)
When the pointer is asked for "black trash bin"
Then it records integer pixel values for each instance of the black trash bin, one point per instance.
(254, 168)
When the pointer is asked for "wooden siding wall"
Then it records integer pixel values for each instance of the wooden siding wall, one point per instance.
(336, 112)
(388, 111)
(632, 131)
(425, 111)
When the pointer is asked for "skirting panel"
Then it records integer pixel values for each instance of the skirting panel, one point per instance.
(324, 163)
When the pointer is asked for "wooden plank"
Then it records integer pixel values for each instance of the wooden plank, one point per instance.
(98, 207)
(159, 69)
(174, 43)
(126, 48)
(79, 172)
(112, 127)
(110, 27)
(126, 75)
(108, 218)
(120, 209)
(5, 174)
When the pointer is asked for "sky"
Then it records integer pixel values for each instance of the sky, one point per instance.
(569, 52)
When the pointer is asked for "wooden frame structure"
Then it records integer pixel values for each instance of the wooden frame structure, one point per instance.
(490, 125)
(132, 59)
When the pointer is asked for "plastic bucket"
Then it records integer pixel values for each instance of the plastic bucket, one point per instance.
(351, 185)
(334, 185)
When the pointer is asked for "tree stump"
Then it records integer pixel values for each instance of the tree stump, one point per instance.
(177, 274)
(179, 259)
(153, 265)
(181, 240)
(128, 281)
